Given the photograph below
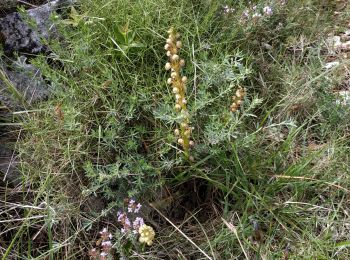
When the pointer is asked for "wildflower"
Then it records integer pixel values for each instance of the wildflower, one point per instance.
(93, 253)
(245, 14)
(256, 16)
(106, 244)
(268, 10)
(179, 86)
(147, 234)
(133, 207)
(137, 208)
(103, 254)
(105, 235)
(138, 222)
(228, 9)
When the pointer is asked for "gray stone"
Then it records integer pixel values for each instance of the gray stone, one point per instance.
(26, 80)
(19, 36)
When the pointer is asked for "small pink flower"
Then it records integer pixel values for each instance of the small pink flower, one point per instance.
(138, 222)
(268, 11)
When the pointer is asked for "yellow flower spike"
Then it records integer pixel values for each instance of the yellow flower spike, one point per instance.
(147, 235)
(178, 82)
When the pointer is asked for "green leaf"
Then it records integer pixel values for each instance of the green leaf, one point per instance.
(344, 243)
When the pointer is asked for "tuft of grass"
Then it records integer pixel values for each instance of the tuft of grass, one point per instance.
(270, 181)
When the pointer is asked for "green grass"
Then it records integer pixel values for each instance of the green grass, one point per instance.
(277, 170)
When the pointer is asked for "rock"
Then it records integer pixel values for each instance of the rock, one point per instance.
(19, 36)
(27, 82)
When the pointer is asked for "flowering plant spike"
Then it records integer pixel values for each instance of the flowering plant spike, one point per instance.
(178, 83)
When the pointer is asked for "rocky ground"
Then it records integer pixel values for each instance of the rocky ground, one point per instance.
(21, 83)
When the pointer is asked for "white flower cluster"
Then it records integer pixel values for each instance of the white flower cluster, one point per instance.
(255, 12)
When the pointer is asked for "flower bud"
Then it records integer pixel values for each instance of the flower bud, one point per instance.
(176, 90)
(184, 125)
(180, 141)
(177, 96)
(188, 132)
(177, 35)
(166, 46)
(182, 62)
(177, 107)
(191, 158)
(169, 41)
(169, 81)
(168, 53)
(177, 132)
(239, 93)
(179, 44)
(238, 102)
(175, 57)
(191, 143)
(184, 79)
(167, 66)
(184, 101)
(173, 74)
